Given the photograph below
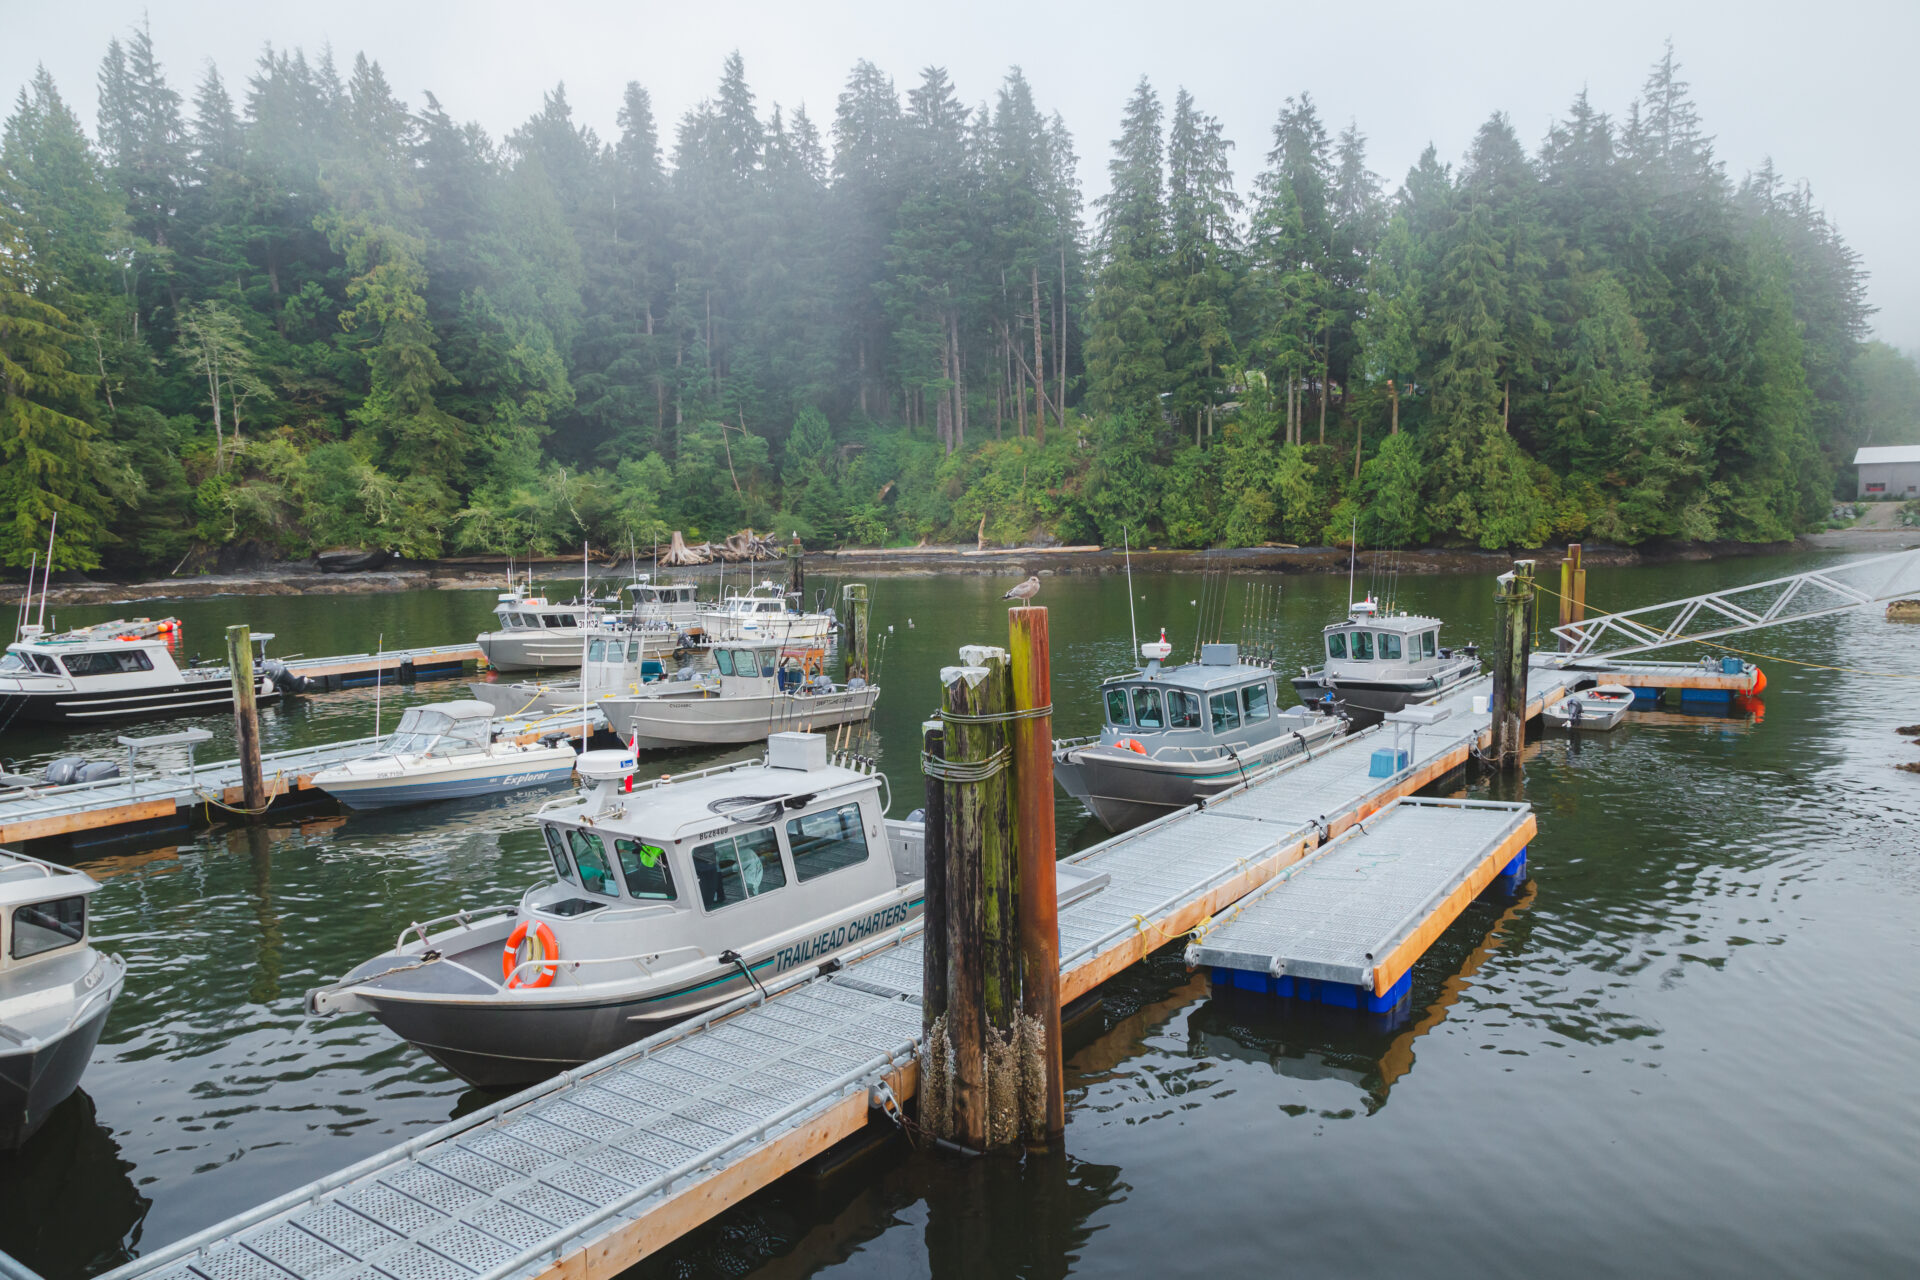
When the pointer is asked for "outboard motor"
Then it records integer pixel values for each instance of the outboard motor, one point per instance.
(61, 772)
(96, 771)
(287, 682)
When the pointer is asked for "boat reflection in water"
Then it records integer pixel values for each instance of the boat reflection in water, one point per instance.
(68, 1206)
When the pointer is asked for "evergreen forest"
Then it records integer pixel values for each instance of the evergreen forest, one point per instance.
(297, 312)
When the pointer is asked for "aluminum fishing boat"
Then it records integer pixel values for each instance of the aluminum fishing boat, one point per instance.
(1174, 735)
(765, 613)
(55, 990)
(534, 633)
(1594, 710)
(446, 751)
(620, 660)
(672, 604)
(666, 899)
(88, 676)
(752, 690)
(1379, 662)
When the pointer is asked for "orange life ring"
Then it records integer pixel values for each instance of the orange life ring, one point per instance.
(510, 959)
(1131, 744)
(1759, 682)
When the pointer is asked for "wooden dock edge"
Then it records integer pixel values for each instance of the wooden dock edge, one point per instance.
(1403, 957)
(61, 824)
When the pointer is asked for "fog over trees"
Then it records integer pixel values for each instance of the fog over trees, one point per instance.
(300, 312)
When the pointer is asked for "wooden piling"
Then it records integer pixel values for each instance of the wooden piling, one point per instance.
(1513, 600)
(246, 719)
(1573, 591)
(936, 1062)
(1029, 646)
(963, 696)
(797, 570)
(853, 631)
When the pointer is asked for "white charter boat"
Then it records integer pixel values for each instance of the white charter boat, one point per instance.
(764, 613)
(446, 751)
(535, 634)
(90, 675)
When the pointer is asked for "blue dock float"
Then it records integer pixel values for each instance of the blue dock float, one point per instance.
(1344, 926)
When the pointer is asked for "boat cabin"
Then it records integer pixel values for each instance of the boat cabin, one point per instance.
(759, 846)
(533, 613)
(669, 602)
(442, 729)
(1217, 699)
(765, 599)
(776, 668)
(43, 914)
(1368, 644)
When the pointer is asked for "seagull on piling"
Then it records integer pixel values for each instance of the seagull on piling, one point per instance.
(1025, 591)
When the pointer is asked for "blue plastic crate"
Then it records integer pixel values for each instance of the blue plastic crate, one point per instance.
(1731, 666)
(1706, 695)
(1514, 874)
(1646, 695)
(1387, 761)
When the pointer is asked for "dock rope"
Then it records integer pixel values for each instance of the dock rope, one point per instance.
(995, 717)
(965, 770)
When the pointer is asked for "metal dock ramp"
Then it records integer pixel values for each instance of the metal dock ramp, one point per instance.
(1345, 925)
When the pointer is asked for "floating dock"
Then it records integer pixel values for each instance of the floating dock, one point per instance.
(155, 799)
(346, 671)
(584, 1176)
(1346, 924)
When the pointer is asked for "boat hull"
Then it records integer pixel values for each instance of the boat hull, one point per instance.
(1124, 790)
(497, 1043)
(464, 785)
(74, 706)
(35, 1081)
(532, 650)
(1367, 702)
(653, 723)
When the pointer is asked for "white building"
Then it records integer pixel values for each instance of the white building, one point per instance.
(1889, 471)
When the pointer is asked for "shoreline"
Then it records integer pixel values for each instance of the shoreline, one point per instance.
(302, 578)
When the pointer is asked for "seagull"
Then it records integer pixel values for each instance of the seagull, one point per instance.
(1025, 591)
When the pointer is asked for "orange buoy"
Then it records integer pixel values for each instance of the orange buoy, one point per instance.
(1759, 682)
(1131, 744)
(510, 958)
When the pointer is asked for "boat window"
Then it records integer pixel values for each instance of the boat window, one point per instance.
(1363, 646)
(766, 661)
(558, 853)
(633, 651)
(1183, 710)
(723, 659)
(826, 842)
(645, 867)
(568, 620)
(1256, 702)
(109, 663)
(591, 857)
(15, 662)
(1426, 643)
(733, 870)
(46, 664)
(1337, 645)
(770, 606)
(597, 651)
(1226, 711)
(48, 926)
(1117, 707)
(1389, 646)
(1146, 709)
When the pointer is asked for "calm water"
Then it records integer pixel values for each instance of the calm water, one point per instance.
(1688, 1050)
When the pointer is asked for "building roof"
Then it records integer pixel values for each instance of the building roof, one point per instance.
(1888, 453)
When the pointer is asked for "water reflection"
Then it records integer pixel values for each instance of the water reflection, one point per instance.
(68, 1206)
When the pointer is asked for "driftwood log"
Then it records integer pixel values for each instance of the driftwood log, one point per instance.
(742, 546)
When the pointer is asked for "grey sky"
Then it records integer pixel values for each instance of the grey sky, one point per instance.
(1825, 89)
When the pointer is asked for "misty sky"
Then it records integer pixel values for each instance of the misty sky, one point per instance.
(1826, 89)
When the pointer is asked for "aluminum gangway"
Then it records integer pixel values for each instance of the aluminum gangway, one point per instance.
(1711, 615)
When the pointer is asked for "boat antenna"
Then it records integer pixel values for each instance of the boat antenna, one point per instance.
(379, 683)
(46, 574)
(586, 620)
(1353, 548)
(1133, 623)
(26, 601)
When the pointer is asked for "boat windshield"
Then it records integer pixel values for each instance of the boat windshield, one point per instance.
(1146, 709)
(1337, 645)
(1117, 712)
(1363, 646)
(1183, 710)
(1389, 647)
(13, 662)
(424, 729)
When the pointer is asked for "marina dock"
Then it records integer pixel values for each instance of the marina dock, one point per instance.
(346, 671)
(587, 1174)
(152, 799)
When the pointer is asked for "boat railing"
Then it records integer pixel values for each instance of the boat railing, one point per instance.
(527, 969)
(462, 918)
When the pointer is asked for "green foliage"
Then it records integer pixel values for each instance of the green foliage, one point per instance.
(309, 314)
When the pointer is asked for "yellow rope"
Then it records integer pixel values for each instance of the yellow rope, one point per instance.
(1774, 657)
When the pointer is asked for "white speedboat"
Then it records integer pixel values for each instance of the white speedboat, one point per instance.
(55, 990)
(535, 634)
(90, 675)
(666, 898)
(445, 751)
(751, 691)
(764, 613)
(1592, 710)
